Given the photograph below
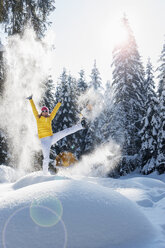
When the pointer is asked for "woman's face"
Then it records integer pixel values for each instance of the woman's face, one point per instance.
(45, 113)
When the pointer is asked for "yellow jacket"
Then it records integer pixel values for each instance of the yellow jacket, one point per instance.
(44, 124)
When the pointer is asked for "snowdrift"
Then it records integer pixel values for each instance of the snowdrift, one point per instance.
(59, 212)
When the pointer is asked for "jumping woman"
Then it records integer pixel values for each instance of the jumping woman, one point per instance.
(45, 134)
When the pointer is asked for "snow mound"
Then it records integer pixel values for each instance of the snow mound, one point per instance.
(145, 182)
(136, 182)
(34, 178)
(72, 214)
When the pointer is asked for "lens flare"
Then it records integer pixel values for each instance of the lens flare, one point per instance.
(5, 241)
(46, 212)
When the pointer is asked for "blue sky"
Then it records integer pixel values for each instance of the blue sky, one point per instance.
(87, 29)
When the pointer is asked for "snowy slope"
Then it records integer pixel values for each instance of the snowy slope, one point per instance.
(55, 211)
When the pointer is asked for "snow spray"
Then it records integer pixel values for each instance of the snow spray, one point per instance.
(99, 163)
(106, 156)
(91, 104)
(27, 66)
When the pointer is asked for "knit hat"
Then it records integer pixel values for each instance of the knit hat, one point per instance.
(45, 108)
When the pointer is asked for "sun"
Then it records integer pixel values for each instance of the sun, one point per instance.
(113, 34)
(119, 34)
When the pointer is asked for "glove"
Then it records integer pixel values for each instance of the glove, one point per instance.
(29, 97)
(84, 123)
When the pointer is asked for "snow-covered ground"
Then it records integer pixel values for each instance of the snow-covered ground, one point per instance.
(79, 212)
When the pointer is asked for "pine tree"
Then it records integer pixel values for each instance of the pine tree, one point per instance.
(161, 71)
(60, 94)
(2, 69)
(67, 115)
(84, 136)
(150, 124)
(161, 134)
(49, 95)
(94, 134)
(95, 82)
(4, 158)
(128, 84)
(82, 84)
(78, 138)
(14, 15)
(107, 126)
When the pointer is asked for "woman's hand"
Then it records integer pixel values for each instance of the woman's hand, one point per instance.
(29, 97)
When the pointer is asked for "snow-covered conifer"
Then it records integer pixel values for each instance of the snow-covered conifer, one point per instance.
(96, 82)
(82, 84)
(161, 94)
(49, 94)
(3, 139)
(150, 124)
(95, 136)
(161, 71)
(67, 115)
(107, 127)
(128, 83)
(16, 14)
(161, 134)
(2, 70)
